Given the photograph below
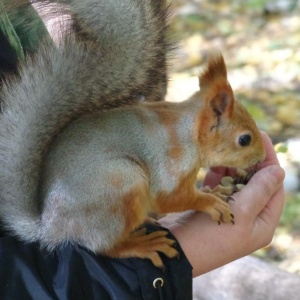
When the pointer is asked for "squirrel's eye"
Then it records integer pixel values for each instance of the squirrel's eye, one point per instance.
(245, 140)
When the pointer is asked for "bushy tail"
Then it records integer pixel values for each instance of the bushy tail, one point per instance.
(115, 54)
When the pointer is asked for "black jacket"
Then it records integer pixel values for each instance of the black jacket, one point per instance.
(28, 272)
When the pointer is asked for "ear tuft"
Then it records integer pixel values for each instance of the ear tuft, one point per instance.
(215, 69)
(214, 87)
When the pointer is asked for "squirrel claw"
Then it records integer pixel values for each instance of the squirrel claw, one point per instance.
(229, 198)
(232, 219)
(235, 189)
(163, 268)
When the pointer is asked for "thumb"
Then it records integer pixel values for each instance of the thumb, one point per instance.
(259, 190)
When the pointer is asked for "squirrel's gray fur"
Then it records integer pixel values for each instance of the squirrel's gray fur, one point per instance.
(114, 56)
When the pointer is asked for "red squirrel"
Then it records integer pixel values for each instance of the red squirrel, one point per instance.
(106, 172)
(102, 173)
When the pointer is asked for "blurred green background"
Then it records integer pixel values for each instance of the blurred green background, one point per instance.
(260, 41)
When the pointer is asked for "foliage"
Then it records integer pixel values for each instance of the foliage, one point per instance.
(291, 214)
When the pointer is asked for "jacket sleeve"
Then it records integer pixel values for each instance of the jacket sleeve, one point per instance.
(72, 272)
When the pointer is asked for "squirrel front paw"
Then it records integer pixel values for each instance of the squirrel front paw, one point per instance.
(219, 211)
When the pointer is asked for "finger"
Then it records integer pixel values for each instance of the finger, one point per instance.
(271, 157)
(268, 218)
(255, 195)
(272, 211)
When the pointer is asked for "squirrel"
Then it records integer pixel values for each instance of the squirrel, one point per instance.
(84, 161)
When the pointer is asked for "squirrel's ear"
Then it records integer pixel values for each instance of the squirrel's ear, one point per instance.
(215, 88)
(222, 103)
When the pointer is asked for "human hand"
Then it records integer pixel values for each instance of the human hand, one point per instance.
(257, 208)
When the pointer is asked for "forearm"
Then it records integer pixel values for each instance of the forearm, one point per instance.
(198, 236)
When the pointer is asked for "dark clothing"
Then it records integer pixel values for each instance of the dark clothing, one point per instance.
(8, 57)
(27, 272)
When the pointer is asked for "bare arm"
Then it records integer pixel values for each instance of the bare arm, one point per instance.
(256, 208)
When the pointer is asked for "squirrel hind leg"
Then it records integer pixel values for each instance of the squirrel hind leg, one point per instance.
(135, 241)
(145, 246)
